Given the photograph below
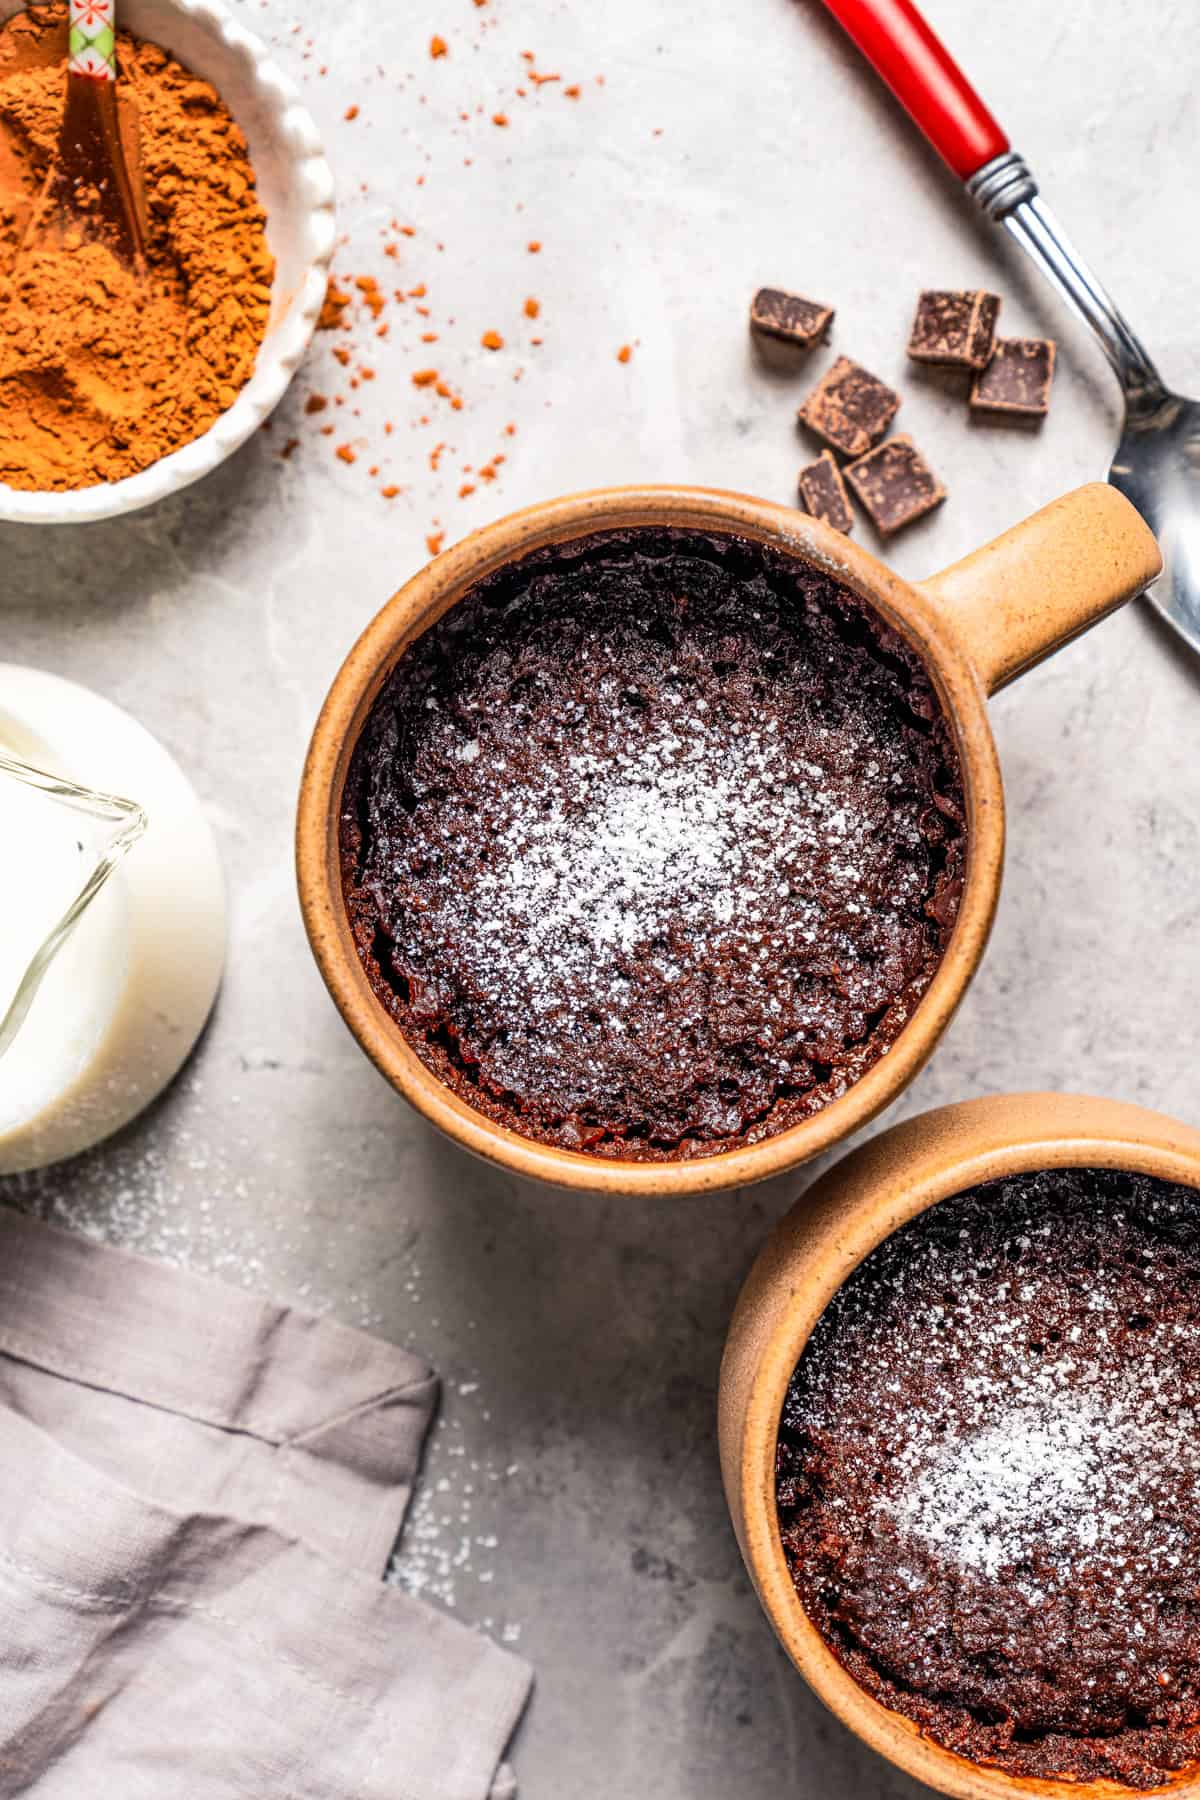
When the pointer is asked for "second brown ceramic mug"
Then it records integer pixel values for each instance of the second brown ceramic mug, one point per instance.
(976, 626)
(866, 1197)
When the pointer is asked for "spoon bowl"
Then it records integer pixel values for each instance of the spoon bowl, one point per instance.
(1157, 467)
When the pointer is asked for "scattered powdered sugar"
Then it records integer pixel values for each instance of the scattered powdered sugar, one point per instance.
(182, 1193)
(447, 1552)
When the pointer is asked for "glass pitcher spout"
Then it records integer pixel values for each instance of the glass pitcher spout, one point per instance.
(59, 843)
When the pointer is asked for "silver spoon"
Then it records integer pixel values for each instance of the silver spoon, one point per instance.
(1157, 462)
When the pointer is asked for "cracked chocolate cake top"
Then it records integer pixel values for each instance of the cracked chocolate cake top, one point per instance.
(989, 1475)
(653, 842)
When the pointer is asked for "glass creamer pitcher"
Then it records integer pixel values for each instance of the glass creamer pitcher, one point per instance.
(112, 918)
(62, 930)
(60, 843)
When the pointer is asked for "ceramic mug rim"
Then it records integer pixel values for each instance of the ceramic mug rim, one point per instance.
(446, 580)
(808, 1258)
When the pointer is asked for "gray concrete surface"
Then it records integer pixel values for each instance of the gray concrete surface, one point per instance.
(572, 1503)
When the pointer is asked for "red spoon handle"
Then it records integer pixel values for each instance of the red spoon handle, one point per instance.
(925, 79)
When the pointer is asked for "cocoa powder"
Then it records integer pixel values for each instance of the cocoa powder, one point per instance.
(103, 372)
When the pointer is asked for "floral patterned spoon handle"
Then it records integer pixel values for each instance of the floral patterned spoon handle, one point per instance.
(93, 39)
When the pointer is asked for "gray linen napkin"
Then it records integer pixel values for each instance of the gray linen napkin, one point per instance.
(198, 1494)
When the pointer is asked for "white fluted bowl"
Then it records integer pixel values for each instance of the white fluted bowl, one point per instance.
(295, 185)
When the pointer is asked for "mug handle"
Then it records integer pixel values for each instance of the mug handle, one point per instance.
(1030, 591)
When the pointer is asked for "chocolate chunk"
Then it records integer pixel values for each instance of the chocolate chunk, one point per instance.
(895, 484)
(789, 318)
(823, 492)
(850, 408)
(954, 326)
(1017, 379)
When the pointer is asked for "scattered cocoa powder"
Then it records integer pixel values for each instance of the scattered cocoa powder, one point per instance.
(333, 312)
(359, 304)
(371, 292)
(101, 373)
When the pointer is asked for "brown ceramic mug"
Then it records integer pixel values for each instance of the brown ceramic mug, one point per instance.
(846, 1215)
(976, 626)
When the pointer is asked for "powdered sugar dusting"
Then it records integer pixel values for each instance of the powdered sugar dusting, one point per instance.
(989, 1473)
(1044, 1475)
(1057, 1413)
(680, 832)
(655, 848)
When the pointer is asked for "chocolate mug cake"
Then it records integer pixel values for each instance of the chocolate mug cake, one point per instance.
(652, 844)
(988, 1476)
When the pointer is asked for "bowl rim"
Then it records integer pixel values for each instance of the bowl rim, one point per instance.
(848, 1211)
(423, 600)
(281, 351)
